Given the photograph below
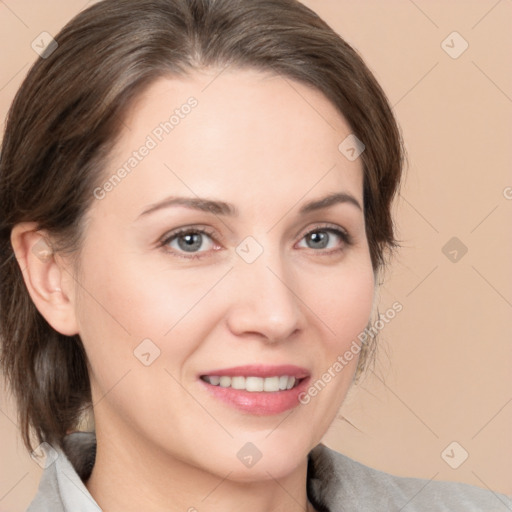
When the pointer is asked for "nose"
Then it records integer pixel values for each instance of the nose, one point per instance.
(265, 303)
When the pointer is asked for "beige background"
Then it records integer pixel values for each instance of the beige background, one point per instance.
(444, 372)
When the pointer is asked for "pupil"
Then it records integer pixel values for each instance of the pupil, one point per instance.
(319, 239)
(190, 242)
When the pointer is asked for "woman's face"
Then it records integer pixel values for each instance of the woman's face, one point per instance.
(214, 250)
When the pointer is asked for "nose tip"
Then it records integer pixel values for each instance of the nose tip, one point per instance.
(264, 305)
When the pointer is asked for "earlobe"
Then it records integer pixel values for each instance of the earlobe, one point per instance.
(48, 281)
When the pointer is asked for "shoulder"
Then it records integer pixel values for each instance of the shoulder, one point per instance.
(62, 487)
(341, 483)
(48, 495)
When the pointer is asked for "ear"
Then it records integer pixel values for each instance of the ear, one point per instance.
(50, 284)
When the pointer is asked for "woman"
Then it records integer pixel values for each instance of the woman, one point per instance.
(195, 211)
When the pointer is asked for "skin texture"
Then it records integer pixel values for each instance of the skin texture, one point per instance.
(267, 145)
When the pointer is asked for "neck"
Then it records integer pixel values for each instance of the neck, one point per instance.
(132, 475)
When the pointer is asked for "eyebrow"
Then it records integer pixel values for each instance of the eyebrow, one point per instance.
(195, 203)
(228, 209)
(330, 200)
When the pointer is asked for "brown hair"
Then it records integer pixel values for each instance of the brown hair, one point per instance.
(66, 117)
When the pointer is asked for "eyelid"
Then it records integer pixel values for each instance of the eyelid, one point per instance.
(326, 226)
(216, 238)
(171, 235)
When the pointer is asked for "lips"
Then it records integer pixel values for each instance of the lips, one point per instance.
(261, 371)
(257, 389)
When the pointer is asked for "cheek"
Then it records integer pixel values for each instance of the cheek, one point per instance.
(342, 300)
(127, 298)
(124, 300)
(344, 305)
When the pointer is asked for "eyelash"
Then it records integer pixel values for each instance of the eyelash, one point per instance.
(168, 238)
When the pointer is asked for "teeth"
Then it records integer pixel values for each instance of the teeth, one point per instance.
(225, 382)
(271, 384)
(237, 382)
(253, 384)
(215, 381)
(291, 383)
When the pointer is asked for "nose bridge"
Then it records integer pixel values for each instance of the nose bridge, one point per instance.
(265, 300)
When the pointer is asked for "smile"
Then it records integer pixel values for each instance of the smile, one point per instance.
(261, 390)
(252, 383)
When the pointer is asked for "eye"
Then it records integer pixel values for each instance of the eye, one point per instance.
(325, 238)
(189, 240)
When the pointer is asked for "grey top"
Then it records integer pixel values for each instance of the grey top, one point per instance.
(335, 483)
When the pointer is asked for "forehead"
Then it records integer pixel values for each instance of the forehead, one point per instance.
(238, 134)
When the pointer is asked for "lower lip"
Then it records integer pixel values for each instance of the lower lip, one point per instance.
(259, 403)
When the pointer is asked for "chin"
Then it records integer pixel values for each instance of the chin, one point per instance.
(264, 455)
